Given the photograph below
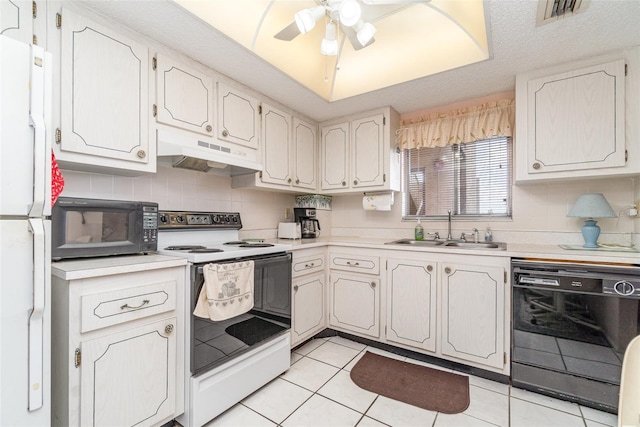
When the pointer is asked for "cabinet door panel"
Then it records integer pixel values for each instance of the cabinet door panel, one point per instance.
(355, 303)
(185, 96)
(473, 313)
(16, 20)
(308, 307)
(104, 93)
(304, 153)
(411, 303)
(275, 135)
(367, 155)
(335, 156)
(576, 119)
(237, 117)
(128, 378)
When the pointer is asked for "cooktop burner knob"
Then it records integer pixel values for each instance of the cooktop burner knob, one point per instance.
(226, 218)
(216, 219)
(163, 218)
(179, 219)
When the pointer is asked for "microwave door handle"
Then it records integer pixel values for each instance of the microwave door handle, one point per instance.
(41, 281)
(41, 146)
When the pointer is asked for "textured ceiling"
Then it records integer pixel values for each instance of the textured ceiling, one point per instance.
(516, 45)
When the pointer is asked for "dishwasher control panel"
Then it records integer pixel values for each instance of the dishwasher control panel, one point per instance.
(625, 288)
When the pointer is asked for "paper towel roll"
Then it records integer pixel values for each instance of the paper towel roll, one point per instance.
(377, 202)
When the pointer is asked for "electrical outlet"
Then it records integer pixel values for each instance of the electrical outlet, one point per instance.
(634, 211)
(287, 213)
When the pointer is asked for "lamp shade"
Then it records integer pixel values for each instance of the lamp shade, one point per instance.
(592, 206)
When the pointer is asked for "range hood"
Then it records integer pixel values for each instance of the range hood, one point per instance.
(220, 157)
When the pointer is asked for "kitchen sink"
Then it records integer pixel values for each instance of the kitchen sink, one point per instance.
(410, 242)
(455, 244)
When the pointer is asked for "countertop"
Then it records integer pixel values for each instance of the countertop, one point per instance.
(106, 266)
(514, 250)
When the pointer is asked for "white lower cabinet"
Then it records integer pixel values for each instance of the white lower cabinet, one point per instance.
(128, 378)
(355, 303)
(118, 341)
(309, 295)
(411, 303)
(473, 313)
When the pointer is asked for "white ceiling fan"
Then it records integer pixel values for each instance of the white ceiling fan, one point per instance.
(351, 16)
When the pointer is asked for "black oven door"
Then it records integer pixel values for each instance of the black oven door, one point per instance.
(216, 342)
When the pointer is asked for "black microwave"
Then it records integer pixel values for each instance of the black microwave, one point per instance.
(82, 228)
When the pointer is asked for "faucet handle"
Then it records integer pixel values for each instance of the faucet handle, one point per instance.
(463, 236)
(435, 235)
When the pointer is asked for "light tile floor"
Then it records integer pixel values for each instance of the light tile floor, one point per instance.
(318, 391)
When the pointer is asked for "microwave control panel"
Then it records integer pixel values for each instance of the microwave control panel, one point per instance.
(150, 224)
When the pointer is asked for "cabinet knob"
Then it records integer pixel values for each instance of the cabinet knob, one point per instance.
(295, 288)
(168, 329)
(289, 180)
(447, 270)
(344, 183)
(355, 182)
(536, 165)
(141, 154)
(297, 181)
(209, 128)
(225, 133)
(429, 268)
(373, 285)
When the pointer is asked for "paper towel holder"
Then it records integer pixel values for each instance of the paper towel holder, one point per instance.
(380, 193)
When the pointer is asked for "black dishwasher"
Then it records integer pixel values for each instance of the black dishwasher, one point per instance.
(571, 325)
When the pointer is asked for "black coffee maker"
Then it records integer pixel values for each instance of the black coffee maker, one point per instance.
(308, 223)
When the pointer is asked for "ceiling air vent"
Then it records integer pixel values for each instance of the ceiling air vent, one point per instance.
(552, 10)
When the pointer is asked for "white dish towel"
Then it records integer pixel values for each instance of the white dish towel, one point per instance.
(227, 290)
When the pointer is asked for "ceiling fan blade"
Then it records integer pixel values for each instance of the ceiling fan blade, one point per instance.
(288, 33)
(353, 38)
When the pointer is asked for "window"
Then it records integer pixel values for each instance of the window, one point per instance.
(472, 180)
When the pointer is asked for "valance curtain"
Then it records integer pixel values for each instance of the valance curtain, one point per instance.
(459, 126)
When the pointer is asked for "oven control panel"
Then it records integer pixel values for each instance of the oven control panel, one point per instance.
(625, 288)
(198, 220)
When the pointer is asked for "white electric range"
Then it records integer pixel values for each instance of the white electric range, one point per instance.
(230, 359)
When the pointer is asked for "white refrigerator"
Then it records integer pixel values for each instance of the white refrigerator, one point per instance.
(25, 226)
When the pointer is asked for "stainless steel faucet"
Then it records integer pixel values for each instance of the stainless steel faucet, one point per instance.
(449, 236)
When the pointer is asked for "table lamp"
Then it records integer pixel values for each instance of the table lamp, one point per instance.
(591, 206)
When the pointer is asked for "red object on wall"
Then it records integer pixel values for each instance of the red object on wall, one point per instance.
(57, 181)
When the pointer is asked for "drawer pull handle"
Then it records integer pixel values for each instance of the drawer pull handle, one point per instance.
(354, 264)
(144, 302)
(168, 329)
(308, 265)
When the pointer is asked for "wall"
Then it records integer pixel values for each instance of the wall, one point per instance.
(178, 189)
(539, 215)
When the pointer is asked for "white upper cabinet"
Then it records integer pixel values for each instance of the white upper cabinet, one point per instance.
(238, 117)
(305, 158)
(575, 120)
(334, 152)
(16, 19)
(104, 116)
(184, 96)
(359, 154)
(276, 143)
(289, 154)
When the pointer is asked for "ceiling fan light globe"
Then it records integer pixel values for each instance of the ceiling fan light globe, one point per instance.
(366, 33)
(350, 12)
(329, 47)
(304, 21)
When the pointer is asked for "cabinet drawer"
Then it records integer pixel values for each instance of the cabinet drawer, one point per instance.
(110, 308)
(362, 264)
(308, 264)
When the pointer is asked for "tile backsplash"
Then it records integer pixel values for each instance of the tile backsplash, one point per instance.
(539, 210)
(178, 189)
